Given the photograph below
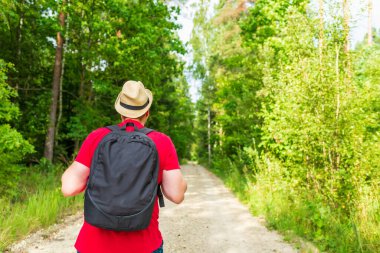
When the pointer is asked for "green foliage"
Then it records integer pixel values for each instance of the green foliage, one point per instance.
(86, 119)
(173, 114)
(26, 32)
(8, 110)
(106, 44)
(111, 42)
(306, 131)
(12, 149)
(295, 119)
(12, 145)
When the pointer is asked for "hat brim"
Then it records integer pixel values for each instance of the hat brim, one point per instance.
(133, 113)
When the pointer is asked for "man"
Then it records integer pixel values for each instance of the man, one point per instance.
(133, 104)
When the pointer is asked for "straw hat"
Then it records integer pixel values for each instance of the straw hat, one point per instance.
(133, 100)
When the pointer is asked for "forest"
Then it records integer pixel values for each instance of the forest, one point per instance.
(288, 111)
(291, 112)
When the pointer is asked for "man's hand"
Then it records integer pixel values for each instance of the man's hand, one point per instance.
(74, 179)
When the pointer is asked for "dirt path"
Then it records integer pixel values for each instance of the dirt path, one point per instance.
(210, 220)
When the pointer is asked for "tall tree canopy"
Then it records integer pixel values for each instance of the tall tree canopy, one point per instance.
(104, 44)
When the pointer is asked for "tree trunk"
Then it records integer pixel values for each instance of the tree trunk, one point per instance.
(83, 66)
(370, 17)
(346, 25)
(65, 45)
(336, 156)
(321, 30)
(19, 41)
(209, 135)
(346, 28)
(50, 136)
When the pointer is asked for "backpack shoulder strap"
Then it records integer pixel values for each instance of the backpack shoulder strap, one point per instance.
(114, 128)
(146, 130)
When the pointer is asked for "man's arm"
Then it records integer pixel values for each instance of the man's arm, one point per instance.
(74, 179)
(174, 186)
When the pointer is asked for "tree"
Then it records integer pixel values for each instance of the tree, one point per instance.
(50, 136)
(370, 17)
(346, 24)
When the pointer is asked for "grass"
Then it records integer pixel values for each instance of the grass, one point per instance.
(38, 204)
(300, 214)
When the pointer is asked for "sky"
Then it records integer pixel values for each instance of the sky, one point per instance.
(188, 10)
(359, 19)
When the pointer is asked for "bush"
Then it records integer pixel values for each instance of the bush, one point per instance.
(13, 147)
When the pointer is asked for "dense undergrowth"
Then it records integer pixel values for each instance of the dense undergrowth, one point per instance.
(37, 203)
(302, 212)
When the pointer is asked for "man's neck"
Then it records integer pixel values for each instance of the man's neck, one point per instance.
(140, 121)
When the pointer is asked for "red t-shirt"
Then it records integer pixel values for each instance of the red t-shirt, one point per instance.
(92, 239)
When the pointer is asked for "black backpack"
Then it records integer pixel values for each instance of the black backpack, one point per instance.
(122, 186)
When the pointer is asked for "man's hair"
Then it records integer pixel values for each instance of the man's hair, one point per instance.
(139, 118)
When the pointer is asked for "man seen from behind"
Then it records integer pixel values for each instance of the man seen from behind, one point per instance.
(133, 104)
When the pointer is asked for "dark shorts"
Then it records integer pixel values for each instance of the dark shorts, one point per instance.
(160, 249)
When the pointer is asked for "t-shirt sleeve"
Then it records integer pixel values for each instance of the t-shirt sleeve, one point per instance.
(89, 145)
(171, 159)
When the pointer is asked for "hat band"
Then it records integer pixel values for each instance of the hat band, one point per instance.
(135, 107)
